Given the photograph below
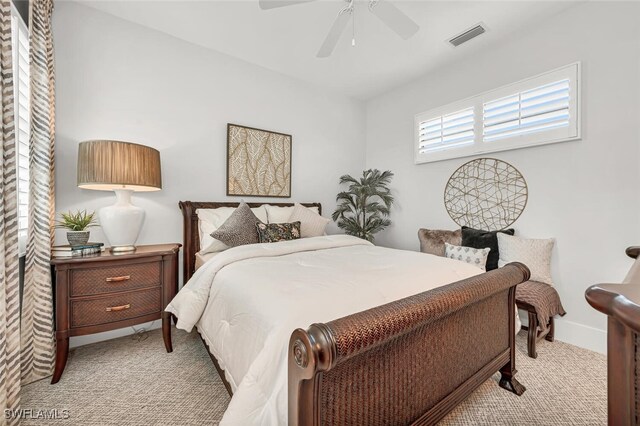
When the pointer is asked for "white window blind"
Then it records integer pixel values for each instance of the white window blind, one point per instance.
(447, 131)
(20, 45)
(536, 111)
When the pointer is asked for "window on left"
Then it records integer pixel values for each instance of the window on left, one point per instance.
(22, 98)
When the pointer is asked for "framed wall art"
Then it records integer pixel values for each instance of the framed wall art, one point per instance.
(258, 162)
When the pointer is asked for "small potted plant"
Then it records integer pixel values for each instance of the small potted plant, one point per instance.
(76, 225)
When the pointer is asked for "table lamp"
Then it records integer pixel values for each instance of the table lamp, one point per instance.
(122, 167)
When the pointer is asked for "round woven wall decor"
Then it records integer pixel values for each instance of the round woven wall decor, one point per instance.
(486, 193)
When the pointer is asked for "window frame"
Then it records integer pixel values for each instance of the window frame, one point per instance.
(572, 132)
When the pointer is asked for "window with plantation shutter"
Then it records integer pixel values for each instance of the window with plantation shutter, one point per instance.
(447, 131)
(536, 111)
(20, 45)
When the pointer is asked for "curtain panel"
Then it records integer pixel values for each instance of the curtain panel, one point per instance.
(9, 275)
(38, 347)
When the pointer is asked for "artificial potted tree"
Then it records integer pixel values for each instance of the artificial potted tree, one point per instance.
(77, 225)
(363, 210)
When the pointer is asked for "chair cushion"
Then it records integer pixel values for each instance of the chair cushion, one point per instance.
(544, 299)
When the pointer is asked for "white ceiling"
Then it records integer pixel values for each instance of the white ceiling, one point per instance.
(286, 39)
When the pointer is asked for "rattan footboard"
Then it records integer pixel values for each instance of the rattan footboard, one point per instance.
(407, 362)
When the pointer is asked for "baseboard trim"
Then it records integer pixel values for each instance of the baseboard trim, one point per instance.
(570, 332)
(581, 335)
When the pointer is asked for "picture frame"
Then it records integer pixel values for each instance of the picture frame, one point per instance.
(258, 162)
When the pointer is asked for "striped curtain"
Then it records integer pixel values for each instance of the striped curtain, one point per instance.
(38, 347)
(9, 281)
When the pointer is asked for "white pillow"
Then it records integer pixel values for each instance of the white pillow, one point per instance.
(211, 219)
(311, 223)
(536, 254)
(277, 214)
(470, 255)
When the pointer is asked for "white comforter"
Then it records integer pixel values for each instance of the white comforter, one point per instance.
(247, 301)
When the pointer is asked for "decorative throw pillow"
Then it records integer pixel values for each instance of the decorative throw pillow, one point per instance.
(311, 223)
(536, 254)
(432, 240)
(239, 229)
(473, 256)
(480, 239)
(211, 219)
(277, 214)
(274, 232)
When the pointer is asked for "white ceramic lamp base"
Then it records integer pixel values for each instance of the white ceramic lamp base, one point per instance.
(121, 222)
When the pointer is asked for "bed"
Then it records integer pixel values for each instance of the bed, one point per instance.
(333, 330)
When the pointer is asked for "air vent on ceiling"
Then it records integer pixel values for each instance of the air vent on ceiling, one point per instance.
(468, 35)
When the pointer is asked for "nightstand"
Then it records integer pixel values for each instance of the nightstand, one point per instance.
(109, 291)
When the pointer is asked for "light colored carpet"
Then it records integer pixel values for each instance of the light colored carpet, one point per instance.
(129, 382)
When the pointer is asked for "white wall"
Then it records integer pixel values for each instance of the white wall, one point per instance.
(583, 193)
(119, 80)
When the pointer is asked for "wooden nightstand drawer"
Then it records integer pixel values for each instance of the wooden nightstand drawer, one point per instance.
(93, 281)
(102, 310)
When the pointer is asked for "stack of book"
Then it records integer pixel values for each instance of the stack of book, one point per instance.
(74, 251)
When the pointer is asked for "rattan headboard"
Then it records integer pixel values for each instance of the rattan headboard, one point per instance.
(190, 227)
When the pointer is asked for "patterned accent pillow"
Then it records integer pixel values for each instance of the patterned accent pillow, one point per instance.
(274, 232)
(473, 256)
(239, 229)
(477, 238)
(311, 223)
(536, 254)
(211, 219)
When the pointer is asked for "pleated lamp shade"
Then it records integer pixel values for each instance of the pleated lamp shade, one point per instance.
(107, 165)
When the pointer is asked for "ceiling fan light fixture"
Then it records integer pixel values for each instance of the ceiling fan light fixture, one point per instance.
(389, 14)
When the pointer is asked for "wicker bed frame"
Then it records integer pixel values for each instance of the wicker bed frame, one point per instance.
(407, 362)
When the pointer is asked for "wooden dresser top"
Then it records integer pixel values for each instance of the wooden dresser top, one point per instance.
(107, 255)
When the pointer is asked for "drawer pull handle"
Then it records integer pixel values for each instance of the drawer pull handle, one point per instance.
(118, 308)
(118, 279)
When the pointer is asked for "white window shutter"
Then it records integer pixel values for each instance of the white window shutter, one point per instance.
(22, 98)
(447, 131)
(539, 110)
(536, 110)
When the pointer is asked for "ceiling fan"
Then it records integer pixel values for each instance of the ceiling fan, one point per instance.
(393, 17)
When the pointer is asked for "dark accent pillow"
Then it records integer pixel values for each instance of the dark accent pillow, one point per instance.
(239, 229)
(432, 240)
(274, 232)
(479, 239)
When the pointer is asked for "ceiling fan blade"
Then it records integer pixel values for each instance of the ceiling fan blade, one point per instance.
(272, 4)
(394, 18)
(335, 32)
